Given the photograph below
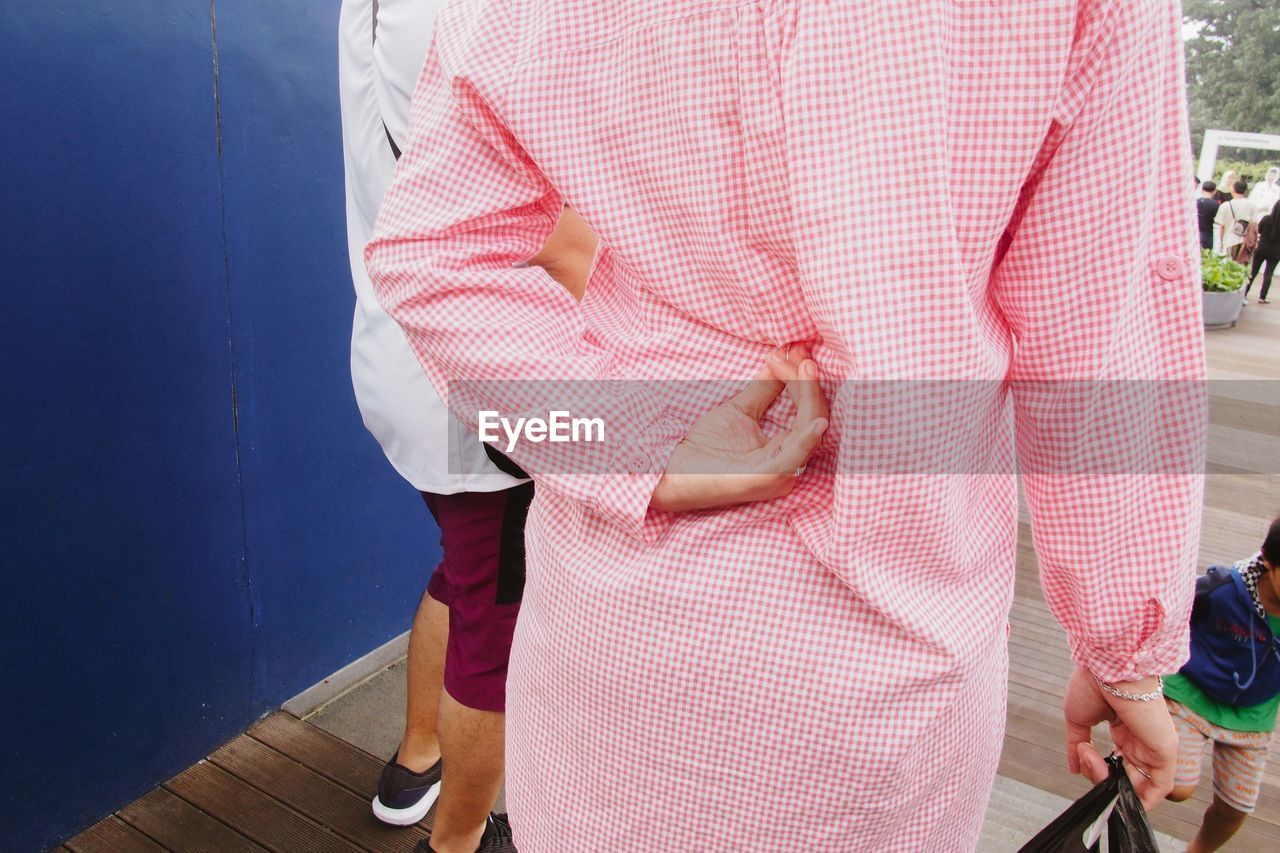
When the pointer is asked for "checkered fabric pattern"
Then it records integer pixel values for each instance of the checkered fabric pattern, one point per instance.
(824, 671)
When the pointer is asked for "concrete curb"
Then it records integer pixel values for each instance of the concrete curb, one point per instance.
(351, 676)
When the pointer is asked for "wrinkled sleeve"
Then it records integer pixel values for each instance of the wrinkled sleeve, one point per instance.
(468, 205)
(1107, 376)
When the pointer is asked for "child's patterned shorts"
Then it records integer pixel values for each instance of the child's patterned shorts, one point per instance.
(1238, 757)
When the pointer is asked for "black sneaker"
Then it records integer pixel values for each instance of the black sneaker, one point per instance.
(496, 838)
(405, 797)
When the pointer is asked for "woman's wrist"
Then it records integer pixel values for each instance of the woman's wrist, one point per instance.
(1146, 689)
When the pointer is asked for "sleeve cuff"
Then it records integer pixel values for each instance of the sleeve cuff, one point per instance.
(1161, 653)
(636, 468)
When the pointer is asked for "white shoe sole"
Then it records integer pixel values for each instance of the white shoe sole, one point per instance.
(411, 815)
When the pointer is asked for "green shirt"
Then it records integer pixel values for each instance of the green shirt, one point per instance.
(1254, 718)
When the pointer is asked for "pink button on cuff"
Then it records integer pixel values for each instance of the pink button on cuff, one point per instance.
(1168, 267)
(636, 462)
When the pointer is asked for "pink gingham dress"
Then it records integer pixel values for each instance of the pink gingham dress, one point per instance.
(826, 671)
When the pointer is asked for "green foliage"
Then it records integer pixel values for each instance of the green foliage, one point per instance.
(1250, 173)
(1220, 274)
(1233, 67)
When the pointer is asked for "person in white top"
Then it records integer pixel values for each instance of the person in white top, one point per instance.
(461, 635)
(1233, 220)
(1266, 193)
(398, 404)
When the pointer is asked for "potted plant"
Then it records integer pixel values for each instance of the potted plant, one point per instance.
(1222, 279)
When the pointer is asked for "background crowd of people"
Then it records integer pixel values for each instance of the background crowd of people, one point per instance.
(1243, 224)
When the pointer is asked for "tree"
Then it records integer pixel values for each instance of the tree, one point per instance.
(1233, 66)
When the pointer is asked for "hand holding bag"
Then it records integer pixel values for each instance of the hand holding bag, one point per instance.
(1128, 830)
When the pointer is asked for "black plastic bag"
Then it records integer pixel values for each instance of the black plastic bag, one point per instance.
(1128, 830)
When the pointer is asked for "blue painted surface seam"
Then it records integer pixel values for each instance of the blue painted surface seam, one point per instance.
(246, 571)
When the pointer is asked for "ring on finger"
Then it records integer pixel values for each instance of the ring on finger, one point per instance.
(1134, 766)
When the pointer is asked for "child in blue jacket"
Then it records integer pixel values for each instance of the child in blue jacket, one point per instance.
(1229, 691)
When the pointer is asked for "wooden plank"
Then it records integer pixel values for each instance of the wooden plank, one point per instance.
(1030, 619)
(1034, 694)
(1259, 418)
(1247, 495)
(112, 835)
(252, 813)
(1248, 349)
(305, 791)
(1053, 658)
(178, 825)
(331, 757)
(1050, 671)
(1234, 450)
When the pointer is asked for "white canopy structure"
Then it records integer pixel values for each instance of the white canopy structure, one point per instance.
(1213, 139)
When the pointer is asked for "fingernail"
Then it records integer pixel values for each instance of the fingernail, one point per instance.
(809, 369)
(819, 426)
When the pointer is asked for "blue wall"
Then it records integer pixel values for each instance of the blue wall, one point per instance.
(196, 525)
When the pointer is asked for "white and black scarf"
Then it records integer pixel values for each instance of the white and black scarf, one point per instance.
(1251, 570)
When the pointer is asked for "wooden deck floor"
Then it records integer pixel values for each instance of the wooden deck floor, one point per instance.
(284, 785)
(288, 786)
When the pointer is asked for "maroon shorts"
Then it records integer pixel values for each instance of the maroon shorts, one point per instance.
(480, 579)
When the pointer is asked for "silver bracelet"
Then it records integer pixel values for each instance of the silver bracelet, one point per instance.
(1133, 697)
